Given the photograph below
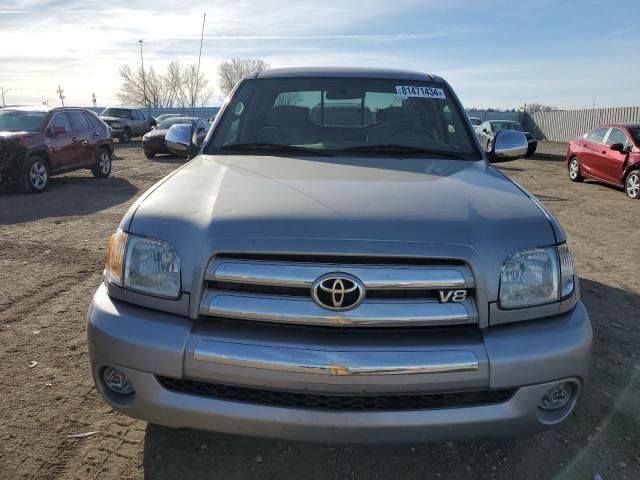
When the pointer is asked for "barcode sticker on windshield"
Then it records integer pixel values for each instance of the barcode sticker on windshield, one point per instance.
(422, 92)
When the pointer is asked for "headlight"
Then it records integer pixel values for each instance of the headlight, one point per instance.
(115, 124)
(536, 276)
(143, 264)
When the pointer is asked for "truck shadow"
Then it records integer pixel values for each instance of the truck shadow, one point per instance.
(67, 196)
(601, 436)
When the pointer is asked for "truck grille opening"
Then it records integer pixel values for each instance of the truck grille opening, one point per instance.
(347, 403)
(397, 292)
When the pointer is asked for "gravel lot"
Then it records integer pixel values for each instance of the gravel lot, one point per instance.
(52, 251)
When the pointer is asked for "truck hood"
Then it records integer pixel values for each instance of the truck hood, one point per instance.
(394, 207)
(111, 119)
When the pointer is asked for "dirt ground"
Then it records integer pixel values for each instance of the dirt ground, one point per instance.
(52, 251)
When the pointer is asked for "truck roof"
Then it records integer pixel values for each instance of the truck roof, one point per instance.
(342, 72)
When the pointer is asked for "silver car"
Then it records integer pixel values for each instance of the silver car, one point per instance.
(314, 277)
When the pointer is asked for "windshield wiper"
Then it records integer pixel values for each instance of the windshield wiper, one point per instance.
(396, 148)
(275, 147)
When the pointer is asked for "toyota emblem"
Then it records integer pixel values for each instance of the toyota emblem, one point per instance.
(338, 291)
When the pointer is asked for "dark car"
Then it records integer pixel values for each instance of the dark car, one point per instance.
(36, 143)
(610, 154)
(127, 123)
(487, 131)
(154, 143)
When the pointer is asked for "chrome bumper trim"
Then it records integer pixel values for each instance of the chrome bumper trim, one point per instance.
(335, 362)
(387, 277)
(295, 310)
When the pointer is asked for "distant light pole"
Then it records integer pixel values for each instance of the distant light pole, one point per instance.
(4, 91)
(144, 81)
(93, 99)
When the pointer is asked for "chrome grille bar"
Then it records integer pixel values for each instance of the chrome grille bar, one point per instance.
(295, 310)
(302, 275)
(294, 360)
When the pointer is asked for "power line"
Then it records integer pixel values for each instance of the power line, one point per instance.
(195, 95)
(60, 92)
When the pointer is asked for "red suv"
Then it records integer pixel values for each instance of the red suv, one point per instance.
(36, 143)
(610, 154)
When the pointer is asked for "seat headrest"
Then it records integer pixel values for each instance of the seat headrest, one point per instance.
(288, 116)
(396, 114)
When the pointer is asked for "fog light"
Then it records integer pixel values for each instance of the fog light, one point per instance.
(557, 397)
(117, 381)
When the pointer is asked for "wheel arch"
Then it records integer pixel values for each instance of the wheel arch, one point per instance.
(104, 145)
(630, 168)
(40, 152)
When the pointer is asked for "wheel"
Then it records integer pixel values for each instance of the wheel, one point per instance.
(36, 174)
(632, 184)
(574, 170)
(530, 151)
(149, 155)
(102, 168)
(126, 136)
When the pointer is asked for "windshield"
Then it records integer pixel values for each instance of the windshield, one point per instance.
(167, 122)
(116, 112)
(497, 126)
(344, 116)
(21, 121)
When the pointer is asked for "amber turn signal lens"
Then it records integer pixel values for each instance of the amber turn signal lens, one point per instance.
(115, 257)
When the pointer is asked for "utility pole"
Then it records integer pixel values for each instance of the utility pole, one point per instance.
(195, 94)
(144, 81)
(93, 99)
(4, 91)
(60, 92)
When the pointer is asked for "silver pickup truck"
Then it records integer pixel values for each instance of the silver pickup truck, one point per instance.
(341, 262)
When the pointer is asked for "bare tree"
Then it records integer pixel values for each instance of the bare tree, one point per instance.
(177, 87)
(539, 107)
(232, 72)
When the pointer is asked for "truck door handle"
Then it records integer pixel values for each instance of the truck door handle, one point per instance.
(96, 134)
(76, 139)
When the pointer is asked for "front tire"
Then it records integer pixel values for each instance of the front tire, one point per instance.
(126, 136)
(149, 155)
(632, 185)
(102, 169)
(574, 170)
(36, 174)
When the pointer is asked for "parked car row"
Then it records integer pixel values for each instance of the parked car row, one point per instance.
(154, 142)
(37, 142)
(610, 154)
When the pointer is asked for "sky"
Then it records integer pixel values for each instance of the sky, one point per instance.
(494, 53)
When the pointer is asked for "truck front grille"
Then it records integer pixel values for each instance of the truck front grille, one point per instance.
(309, 401)
(398, 294)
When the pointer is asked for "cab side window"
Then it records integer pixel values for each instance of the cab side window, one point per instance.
(78, 120)
(60, 120)
(617, 136)
(93, 123)
(597, 135)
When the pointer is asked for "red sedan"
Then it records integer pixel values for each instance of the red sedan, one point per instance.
(610, 154)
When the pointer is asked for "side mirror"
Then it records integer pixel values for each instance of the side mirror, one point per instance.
(179, 140)
(508, 145)
(617, 147)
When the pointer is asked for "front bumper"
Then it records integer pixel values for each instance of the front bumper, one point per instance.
(529, 356)
(155, 147)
